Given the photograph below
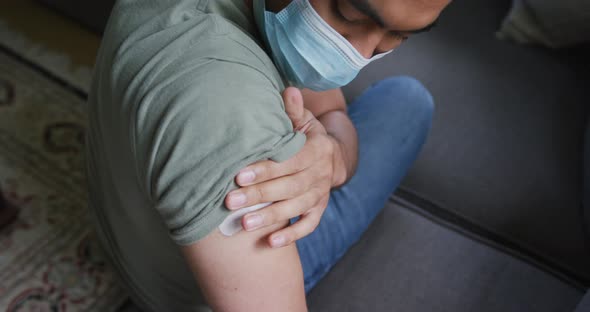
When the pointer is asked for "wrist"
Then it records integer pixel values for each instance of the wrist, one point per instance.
(339, 165)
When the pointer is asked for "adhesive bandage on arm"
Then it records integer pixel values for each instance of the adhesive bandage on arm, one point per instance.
(232, 224)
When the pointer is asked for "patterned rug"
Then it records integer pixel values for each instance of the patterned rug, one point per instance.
(49, 260)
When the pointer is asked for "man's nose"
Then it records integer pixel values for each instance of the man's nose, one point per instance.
(367, 43)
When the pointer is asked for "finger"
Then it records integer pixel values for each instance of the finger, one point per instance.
(268, 170)
(301, 118)
(281, 188)
(303, 227)
(281, 211)
(312, 127)
(294, 107)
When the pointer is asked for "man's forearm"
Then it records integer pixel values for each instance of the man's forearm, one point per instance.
(341, 128)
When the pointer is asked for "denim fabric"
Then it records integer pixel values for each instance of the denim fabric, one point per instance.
(392, 119)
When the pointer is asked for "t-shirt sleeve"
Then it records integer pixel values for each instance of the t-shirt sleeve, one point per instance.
(196, 129)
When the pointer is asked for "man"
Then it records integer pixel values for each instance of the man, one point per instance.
(190, 120)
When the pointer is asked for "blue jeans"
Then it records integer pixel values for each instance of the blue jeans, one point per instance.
(392, 119)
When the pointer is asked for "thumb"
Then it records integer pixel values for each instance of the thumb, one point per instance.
(294, 106)
(303, 120)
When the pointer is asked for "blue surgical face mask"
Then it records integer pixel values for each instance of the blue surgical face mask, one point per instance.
(307, 51)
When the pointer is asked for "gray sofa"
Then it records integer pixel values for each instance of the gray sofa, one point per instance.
(490, 216)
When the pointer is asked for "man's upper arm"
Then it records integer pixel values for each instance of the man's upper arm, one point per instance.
(241, 273)
(200, 128)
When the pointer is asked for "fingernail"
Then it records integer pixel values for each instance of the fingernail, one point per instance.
(253, 222)
(278, 241)
(237, 199)
(246, 176)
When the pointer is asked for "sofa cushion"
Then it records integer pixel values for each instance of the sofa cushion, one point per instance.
(505, 150)
(553, 23)
(91, 14)
(406, 262)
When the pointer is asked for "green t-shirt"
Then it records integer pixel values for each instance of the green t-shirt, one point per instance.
(183, 97)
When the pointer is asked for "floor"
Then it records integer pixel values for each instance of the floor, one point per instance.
(42, 25)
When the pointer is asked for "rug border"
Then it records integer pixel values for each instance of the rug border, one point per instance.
(45, 72)
(51, 63)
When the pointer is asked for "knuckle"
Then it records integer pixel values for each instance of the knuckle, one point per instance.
(281, 212)
(294, 187)
(327, 156)
(327, 173)
(316, 196)
(268, 217)
(263, 171)
(260, 193)
(310, 199)
(298, 185)
(290, 236)
(299, 162)
(290, 239)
